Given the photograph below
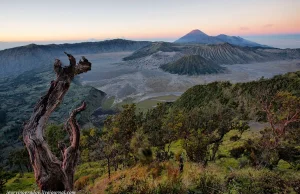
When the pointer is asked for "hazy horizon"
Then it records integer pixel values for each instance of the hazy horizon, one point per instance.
(278, 41)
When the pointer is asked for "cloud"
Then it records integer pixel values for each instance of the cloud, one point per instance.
(268, 26)
(244, 28)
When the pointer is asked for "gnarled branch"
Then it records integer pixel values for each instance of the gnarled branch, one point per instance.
(52, 174)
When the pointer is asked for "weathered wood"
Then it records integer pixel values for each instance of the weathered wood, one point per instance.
(51, 174)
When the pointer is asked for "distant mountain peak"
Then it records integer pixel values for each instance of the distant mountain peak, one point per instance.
(197, 31)
(197, 36)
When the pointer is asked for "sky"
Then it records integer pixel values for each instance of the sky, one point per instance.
(81, 20)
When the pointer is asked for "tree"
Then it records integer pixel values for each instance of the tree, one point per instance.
(196, 146)
(18, 159)
(107, 147)
(153, 123)
(280, 140)
(55, 136)
(124, 125)
(282, 110)
(88, 139)
(214, 121)
(121, 128)
(172, 127)
(52, 174)
(140, 146)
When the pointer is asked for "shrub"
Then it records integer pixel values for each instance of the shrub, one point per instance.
(235, 138)
(257, 181)
(171, 187)
(208, 183)
(81, 182)
(156, 169)
(237, 152)
(145, 155)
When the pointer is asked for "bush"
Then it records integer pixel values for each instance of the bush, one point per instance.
(237, 152)
(83, 181)
(171, 187)
(258, 181)
(235, 138)
(208, 183)
(145, 155)
(134, 186)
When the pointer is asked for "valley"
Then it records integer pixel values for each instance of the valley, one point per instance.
(134, 81)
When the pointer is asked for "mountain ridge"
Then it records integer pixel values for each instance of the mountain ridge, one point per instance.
(198, 36)
(223, 54)
(17, 60)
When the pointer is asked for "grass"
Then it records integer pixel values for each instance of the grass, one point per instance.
(229, 144)
(25, 182)
(152, 102)
(141, 106)
(165, 177)
(124, 102)
(90, 168)
(176, 147)
(86, 173)
(108, 103)
(161, 177)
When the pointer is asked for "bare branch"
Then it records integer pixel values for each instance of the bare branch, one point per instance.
(83, 66)
(52, 174)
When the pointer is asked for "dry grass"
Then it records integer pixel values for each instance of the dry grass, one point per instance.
(145, 178)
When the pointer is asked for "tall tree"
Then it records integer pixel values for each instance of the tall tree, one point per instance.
(51, 174)
(18, 159)
(280, 139)
(282, 110)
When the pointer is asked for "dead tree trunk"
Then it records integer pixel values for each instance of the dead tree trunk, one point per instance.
(51, 174)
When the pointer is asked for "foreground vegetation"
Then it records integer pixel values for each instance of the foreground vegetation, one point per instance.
(201, 143)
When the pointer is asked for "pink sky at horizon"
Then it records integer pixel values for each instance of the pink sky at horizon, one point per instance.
(33, 20)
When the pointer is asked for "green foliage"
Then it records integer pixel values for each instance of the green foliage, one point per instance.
(208, 126)
(153, 123)
(208, 183)
(22, 182)
(196, 146)
(260, 181)
(140, 147)
(172, 127)
(88, 143)
(4, 177)
(19, 159)
(54, 135)
(241, 96)
(237, 152)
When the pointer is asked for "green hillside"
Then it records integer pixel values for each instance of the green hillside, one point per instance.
(204, 142)
(241, 96)
(19, 95)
